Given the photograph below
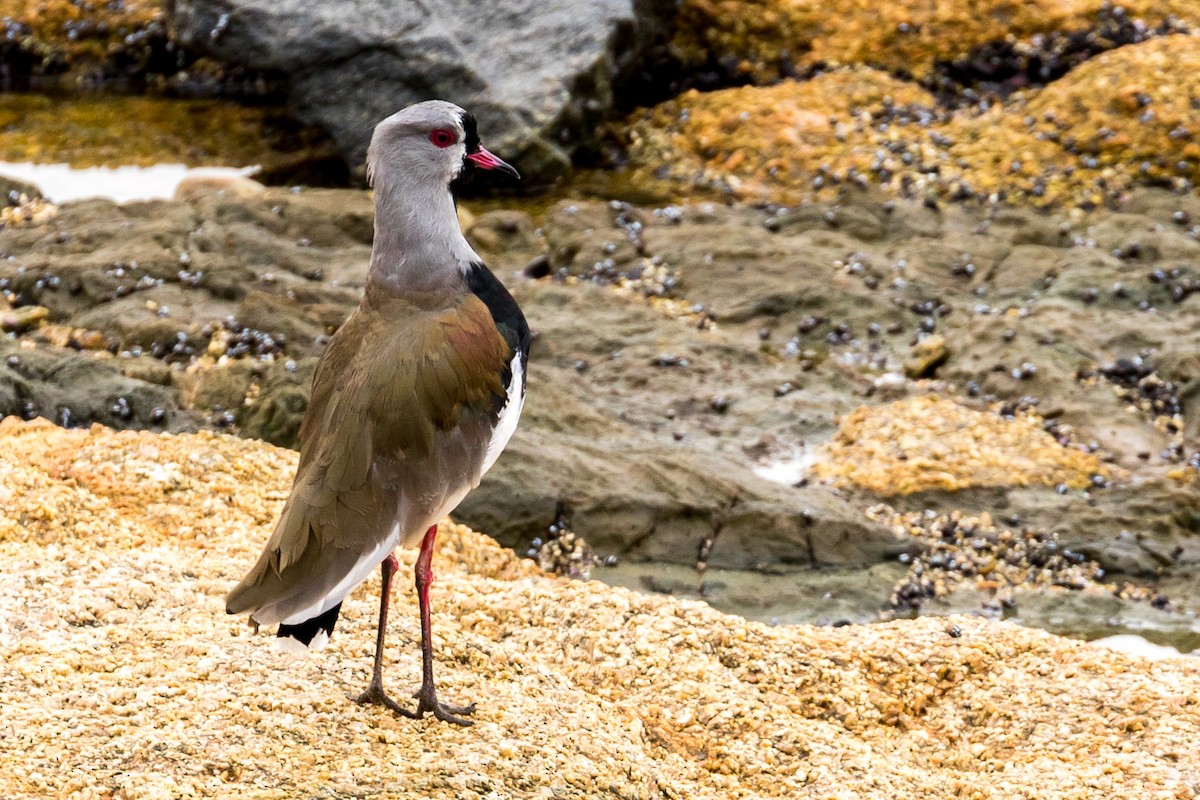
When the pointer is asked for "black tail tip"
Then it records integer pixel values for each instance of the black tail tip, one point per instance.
(305, 632)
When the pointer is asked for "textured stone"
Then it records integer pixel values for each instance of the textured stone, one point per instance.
(928, 442)
(1118, 121)
(122, 676)
(926, 356)
(538, 74)
(765, 39)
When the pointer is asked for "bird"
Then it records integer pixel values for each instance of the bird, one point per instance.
(413, 400)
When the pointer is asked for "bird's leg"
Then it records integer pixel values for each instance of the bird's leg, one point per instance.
(375, 693)
(427, 694)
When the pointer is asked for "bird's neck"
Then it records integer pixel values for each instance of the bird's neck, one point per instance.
(419, 246)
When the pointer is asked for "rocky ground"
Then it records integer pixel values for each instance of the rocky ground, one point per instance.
(1121, 119)
(840, 318)
(122, 676)
(696, 377)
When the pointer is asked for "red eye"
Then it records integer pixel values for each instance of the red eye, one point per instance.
(442, 137)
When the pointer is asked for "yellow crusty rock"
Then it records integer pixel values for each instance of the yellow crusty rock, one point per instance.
(1122, 119)
(121, 676)
(757, 37)
(769, 141)
(929, 442)
(83, 32)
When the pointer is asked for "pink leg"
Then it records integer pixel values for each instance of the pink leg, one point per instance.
(427, 694)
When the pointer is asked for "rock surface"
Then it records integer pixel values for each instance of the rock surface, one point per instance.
(87, 42)
(1119, 120)
(929, 443)
(122, 676)
(11, 191)
(987, 41)
(537, 74)
(690, 362)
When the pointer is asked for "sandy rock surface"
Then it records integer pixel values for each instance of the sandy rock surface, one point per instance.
(1122, 119)
(122, 676)
(927, 442)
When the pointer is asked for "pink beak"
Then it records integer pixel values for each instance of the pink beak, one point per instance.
(485, 160)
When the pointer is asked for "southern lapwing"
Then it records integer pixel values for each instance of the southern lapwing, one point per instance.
(415, 397)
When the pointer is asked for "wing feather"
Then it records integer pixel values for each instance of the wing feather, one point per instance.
(394, 379)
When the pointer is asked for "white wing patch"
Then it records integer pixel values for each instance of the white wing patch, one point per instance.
(506, 425)
(368, 562)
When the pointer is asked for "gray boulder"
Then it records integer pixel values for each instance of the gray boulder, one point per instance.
(628, 494)
(538, 74)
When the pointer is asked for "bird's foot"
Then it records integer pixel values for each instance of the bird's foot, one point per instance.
(427, 702)
(375, 695)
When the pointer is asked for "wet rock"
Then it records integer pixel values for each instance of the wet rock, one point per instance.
(288, 320)
(281, 398)
(1069, 141)
(674, 503)
(75, 391)
(991, 41)
(584, 240)
(147, 369)
(239, 186)
(535, 97)
(506, 240)
(224, 387)
(59, 37)
(1023, 267)
(1139, 532)
(651, 451)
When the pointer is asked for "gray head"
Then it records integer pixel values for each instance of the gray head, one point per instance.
(433, 142)
(414, 156)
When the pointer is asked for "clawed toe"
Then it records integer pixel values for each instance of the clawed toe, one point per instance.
(464, 710)
(451, 714)
(427, 702)
(376, 696)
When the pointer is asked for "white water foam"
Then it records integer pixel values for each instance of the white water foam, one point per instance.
(1132, 644)
(62, 182)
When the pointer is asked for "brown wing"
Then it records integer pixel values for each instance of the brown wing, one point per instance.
(396, 384)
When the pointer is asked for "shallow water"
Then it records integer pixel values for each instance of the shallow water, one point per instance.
(62, 182)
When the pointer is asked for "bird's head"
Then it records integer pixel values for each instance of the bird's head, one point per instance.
(430, 142)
